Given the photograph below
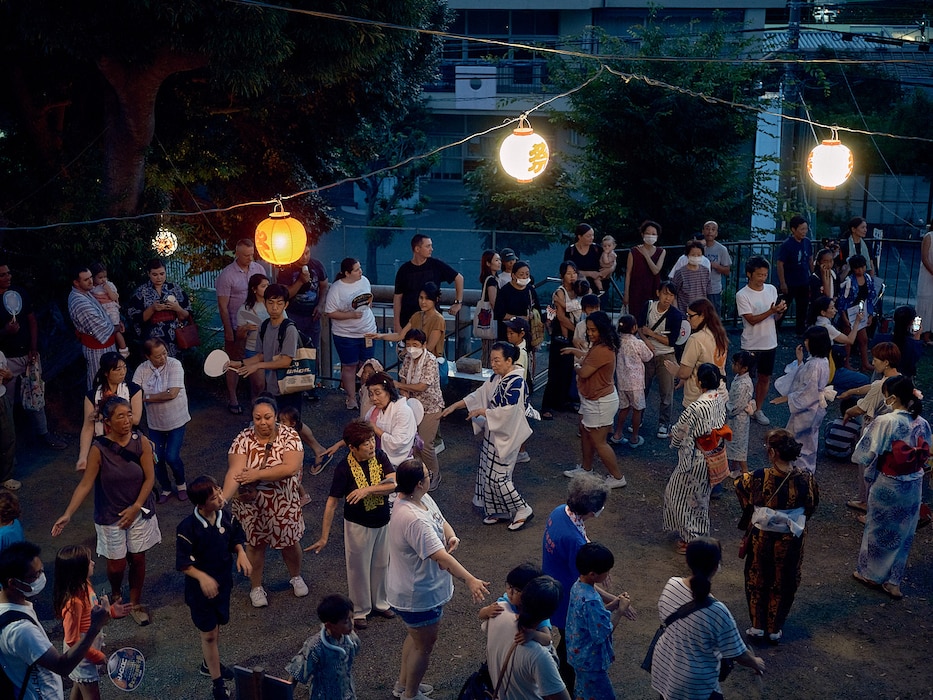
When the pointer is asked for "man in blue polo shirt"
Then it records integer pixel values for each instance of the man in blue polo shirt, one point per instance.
(794, 267)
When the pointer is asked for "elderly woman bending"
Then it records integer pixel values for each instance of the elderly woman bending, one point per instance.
(497, 409)
(263, 475)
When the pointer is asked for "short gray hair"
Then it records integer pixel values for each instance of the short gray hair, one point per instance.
(586, 494)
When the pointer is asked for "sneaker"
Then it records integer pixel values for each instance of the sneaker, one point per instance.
(577, 470)
(226, 673)
(425, 689)
(754, 633)
(163, 498)
(182, 494)
(219, 691)
(663, 432)
(760, 418)
(299, 586)
(522, 458)
(638, 443)
(12, 485)
(53, 442)
(439, 445)
(124, 352)
(257, 597)
(775, 637)
(614, 483)
(435, 481)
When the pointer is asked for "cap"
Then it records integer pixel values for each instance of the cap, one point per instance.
(508, 255)
(519, 325)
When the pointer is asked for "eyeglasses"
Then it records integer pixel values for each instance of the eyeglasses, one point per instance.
(692, 315)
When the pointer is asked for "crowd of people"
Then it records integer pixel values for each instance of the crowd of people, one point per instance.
(399, 546)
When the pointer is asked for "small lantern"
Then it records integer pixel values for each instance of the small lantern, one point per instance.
(164, 242)
(280, 239)
(830, 163)
(523, 154)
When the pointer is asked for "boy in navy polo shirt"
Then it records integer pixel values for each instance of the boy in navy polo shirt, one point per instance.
(204, 547)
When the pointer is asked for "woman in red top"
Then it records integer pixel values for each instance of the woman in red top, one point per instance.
(595, 370)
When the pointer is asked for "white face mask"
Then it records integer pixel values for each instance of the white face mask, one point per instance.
(415, 352)
(650, 240)
(35, 588)
(522, 282)
(694, 259)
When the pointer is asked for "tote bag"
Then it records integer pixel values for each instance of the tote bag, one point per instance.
(484, 325)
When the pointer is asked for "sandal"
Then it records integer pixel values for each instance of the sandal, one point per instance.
(864, 581)
(491, 520)
(140, 615)
(547, 415)
(235, 408)
(320, 466)
(892, 590)
(517, 525)
(862, 519)
(860, 506)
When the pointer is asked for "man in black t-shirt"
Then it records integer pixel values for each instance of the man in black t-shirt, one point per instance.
(413, 275)
(19, 338)
(363, 481)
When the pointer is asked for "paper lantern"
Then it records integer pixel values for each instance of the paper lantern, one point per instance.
(523, 154)
(280, 239)
(830, 163)
(164, 242)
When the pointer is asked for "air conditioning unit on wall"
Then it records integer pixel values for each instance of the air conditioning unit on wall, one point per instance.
(475, 87)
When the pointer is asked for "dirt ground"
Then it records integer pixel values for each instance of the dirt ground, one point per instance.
(841, 640)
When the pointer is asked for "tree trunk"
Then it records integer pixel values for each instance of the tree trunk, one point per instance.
(130, 121)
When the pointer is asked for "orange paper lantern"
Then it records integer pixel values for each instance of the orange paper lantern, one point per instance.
(280, 239)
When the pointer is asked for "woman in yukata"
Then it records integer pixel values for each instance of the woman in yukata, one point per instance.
(805, 397)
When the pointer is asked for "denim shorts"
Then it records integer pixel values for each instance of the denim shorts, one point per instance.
(352, 351)
(423, 618)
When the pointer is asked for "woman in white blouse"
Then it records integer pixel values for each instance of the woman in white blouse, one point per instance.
(822, 313)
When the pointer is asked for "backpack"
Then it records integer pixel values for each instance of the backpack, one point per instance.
(303, 340)
(6, 685)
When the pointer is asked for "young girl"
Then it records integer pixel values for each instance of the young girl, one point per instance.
(106, 293)
(739, 408)
(74, 598)
(805, 397)
(630, 380)
(290, 416)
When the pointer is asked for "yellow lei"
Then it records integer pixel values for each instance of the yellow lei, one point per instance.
(372, 501)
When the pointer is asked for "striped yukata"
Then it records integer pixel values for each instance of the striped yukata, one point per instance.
(686, 498)
(686, 658)
(91, 318)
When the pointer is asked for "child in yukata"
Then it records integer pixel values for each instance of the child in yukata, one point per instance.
(106, 293)
(630, 380)
(739, 409)
(325, 662)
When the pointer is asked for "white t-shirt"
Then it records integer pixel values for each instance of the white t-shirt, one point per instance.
(823, 322)
(21, 643)
(351, 296)
(415, 582)
(763, 335)
(534, 670)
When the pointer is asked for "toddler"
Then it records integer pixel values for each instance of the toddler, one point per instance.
(607, 263)
(739, 409)
(325, 662)
(106, 293)
(511, 602)
(591, 622)
(630, 380)
(589, 304)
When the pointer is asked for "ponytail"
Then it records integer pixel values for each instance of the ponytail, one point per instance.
(703, 557)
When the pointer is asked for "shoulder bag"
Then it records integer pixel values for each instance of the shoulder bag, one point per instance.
(725, 665)
(479, 685)
(484, 325)
(536, 324)
(186, 336)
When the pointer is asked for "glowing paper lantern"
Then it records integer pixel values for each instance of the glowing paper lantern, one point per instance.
(830, 163)
(164, 242)
(523, 154)
(280, 239)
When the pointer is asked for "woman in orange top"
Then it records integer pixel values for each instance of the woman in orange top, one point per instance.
(595, 369)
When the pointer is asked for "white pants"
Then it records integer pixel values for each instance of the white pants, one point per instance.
(367, 557)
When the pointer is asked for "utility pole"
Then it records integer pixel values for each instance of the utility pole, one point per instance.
(790, 98)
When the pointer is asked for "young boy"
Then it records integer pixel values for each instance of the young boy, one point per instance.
(11, 530)
(204, 544)
(511, 602)
(325, 661)
(607, 263)
(591, 622)
(589, 303)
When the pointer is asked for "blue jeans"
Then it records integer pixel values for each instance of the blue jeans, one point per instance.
(167, 446)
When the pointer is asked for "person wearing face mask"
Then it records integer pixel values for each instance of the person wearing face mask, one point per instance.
(26, 652)
(517, 298)
(418, 378)
(692, 281)
(643, 269)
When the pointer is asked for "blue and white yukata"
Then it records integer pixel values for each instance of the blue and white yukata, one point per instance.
(893, 450)
(808, 408)
(504, 429)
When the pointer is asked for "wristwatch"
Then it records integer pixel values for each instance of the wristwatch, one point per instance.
(457, 301)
